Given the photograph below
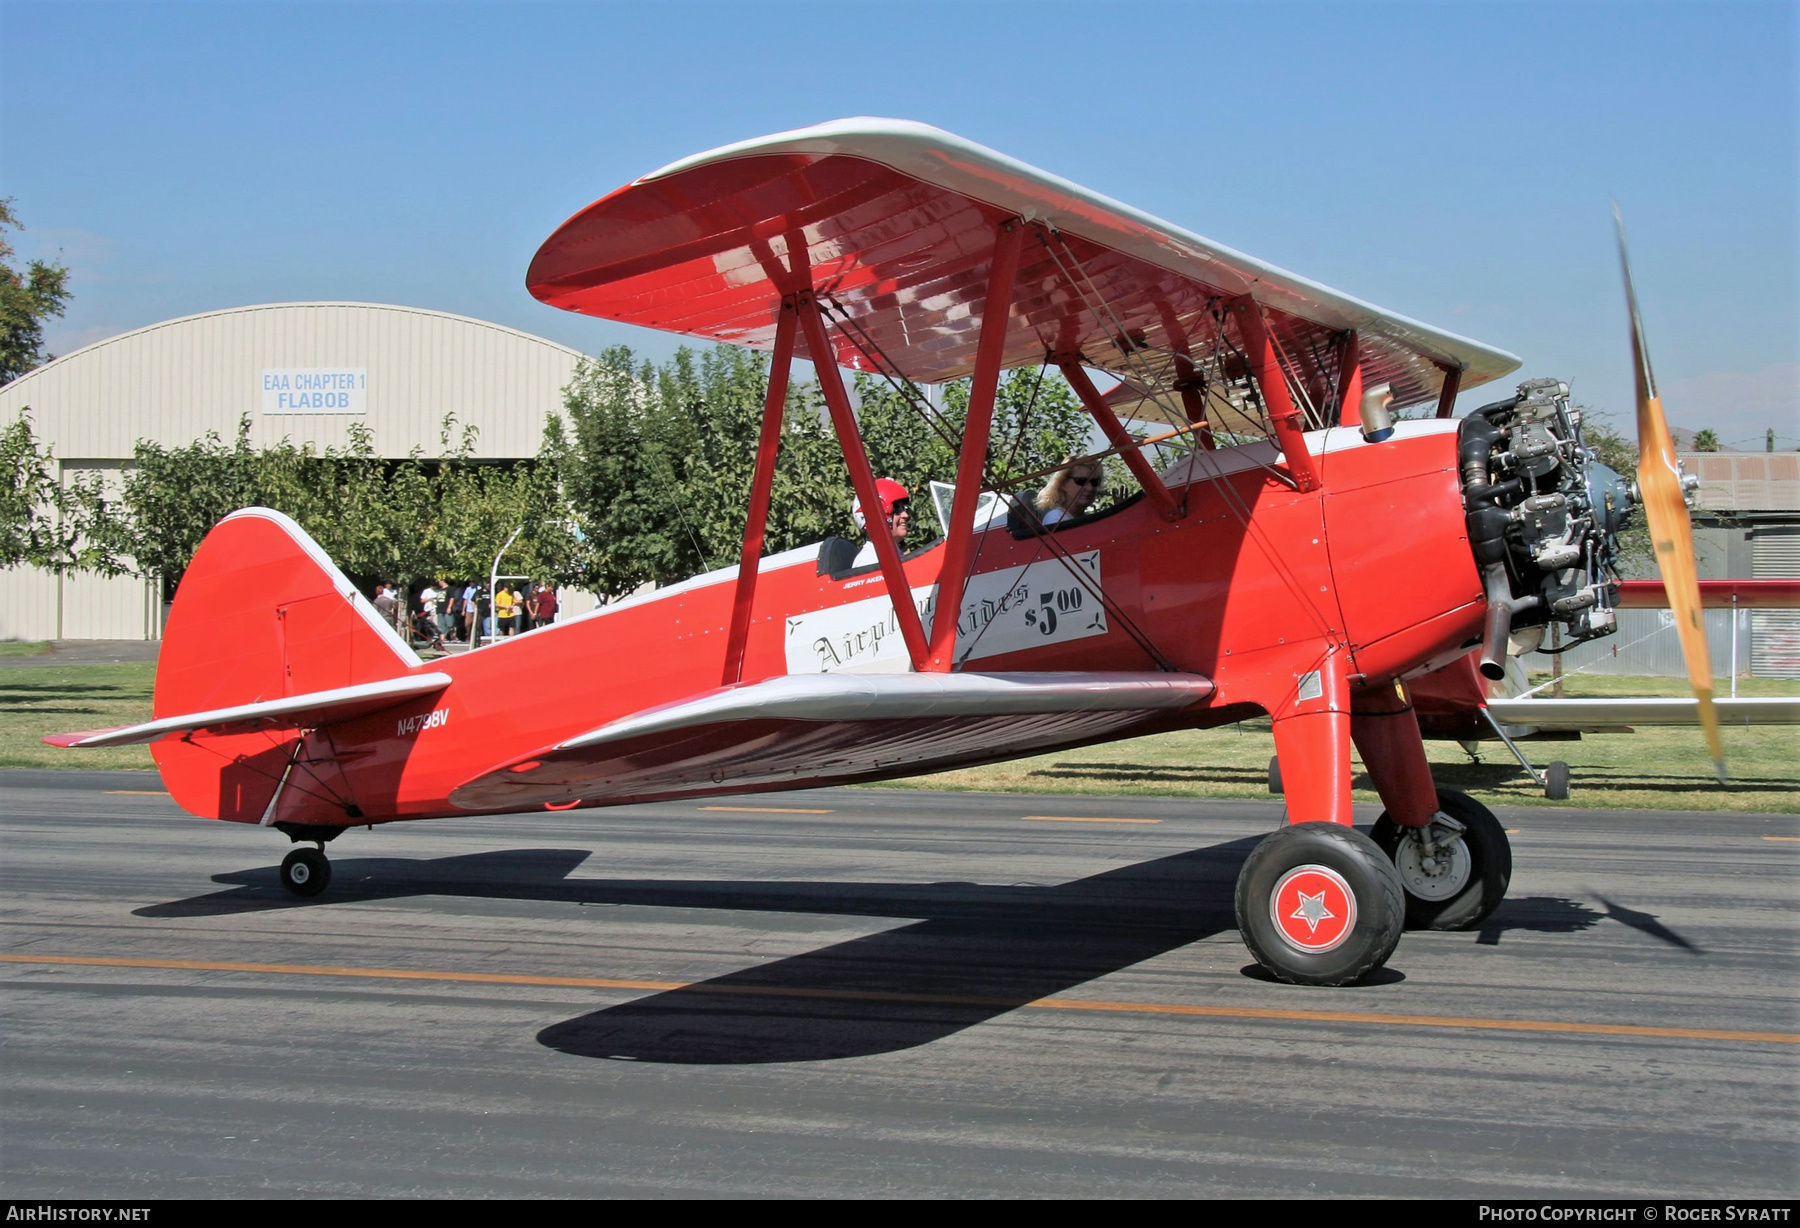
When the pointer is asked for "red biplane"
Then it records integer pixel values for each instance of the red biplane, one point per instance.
(1302, 556)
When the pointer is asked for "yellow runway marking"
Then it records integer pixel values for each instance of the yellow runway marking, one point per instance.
(1069, 818)
(139, 792)
(1512, 831)
(1785, 839)
(1046, 1004)
(767, 809)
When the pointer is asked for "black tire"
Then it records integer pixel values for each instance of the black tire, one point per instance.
(1333, 858)
(305, 872)
(1556, 781)
(1274, 774)
(1478, 886)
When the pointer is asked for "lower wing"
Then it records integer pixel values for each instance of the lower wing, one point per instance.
(819, 728)
(1597, 713)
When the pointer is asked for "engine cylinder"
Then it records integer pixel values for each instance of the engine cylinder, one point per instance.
(1543, 516)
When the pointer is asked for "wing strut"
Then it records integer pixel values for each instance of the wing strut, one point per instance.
(761, 488)
(1447, 394)
(856, 458)
(971, 463)
(1120, 438)
(1349, 382)
(1282, 414)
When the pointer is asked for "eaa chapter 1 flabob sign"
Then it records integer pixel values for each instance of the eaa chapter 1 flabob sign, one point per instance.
(315, 390)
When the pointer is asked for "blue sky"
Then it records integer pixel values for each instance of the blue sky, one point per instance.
(1452, 161)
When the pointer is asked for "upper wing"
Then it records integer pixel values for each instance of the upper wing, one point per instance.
(800, 729)
(896, 221)
(291, 712)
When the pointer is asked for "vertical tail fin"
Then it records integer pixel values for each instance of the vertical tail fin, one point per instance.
(262, 613)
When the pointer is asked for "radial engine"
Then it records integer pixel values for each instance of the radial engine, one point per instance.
(1544, 517)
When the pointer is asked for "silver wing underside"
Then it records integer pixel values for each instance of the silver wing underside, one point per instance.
(803, 730)
(1598, 713)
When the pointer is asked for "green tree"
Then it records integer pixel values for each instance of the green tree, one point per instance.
(1706, 440)
(656, 465)
(1620, 454)
(27, 299)
(1038, 422)
(46, 521)
(175, 495)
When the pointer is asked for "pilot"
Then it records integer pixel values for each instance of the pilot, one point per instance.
(896, 511)
(1070, 491)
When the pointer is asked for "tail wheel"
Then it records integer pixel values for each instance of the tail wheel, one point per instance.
(305, 872)
(1319, 904)
(1455, 872)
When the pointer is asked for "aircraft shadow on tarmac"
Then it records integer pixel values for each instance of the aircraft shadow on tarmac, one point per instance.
(975, 951)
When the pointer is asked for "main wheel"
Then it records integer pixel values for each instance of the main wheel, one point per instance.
(1319, 904)
(305, 872)
(1462, 877)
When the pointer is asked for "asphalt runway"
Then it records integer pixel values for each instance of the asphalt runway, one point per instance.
(876, 993)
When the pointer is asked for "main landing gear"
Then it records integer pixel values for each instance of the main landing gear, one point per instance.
(1323, 904)
(1455, 870)
(1320, 904)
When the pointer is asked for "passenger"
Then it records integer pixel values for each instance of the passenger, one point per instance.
(1070, 491)
(896, 512)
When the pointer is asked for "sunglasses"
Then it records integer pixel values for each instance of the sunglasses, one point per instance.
(1085, 481)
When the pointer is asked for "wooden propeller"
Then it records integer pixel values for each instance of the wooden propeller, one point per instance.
(1661, 493)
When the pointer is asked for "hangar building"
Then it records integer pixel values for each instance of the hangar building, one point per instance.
(300, 371)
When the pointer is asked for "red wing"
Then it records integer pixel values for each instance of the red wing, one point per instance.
(897, 221)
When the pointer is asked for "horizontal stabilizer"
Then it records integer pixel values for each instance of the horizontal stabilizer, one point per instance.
(291, 712)
(814, 728)
(1596, 713)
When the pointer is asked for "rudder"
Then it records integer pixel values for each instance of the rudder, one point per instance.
(262, 613)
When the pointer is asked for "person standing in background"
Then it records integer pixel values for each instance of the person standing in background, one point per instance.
(519, 619)
(503, 611)
(546, 606)
(471, 616)
(446, 616)
(429, 597)
(384, 602)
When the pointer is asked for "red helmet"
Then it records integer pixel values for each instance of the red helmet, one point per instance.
(892, 496)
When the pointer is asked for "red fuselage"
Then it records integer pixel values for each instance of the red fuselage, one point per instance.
(1250, 588)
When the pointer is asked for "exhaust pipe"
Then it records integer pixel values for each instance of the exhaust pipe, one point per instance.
(1377, 419)
(1493, 639)
(1501, 606)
